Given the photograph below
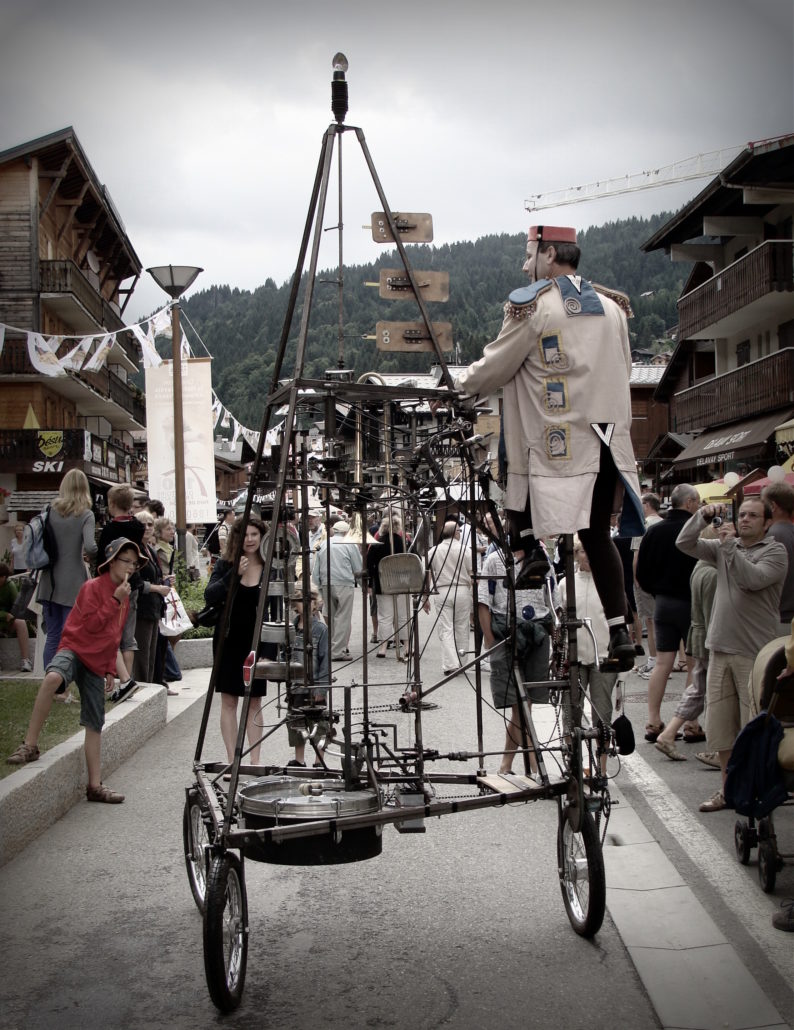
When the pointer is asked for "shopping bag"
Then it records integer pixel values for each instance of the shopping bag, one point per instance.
(175, 620)
(26, 587)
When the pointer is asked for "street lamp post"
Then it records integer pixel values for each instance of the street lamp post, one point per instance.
(175, 279)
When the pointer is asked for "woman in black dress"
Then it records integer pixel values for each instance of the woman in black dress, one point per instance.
(237, 646)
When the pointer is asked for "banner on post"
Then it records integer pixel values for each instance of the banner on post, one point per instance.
(197, 421)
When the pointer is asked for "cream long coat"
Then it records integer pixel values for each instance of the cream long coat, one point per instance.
(562, 372)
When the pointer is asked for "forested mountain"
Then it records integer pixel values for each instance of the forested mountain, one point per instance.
(241, 328)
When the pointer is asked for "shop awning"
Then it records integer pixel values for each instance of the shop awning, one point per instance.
(784, 433)
(727, 443)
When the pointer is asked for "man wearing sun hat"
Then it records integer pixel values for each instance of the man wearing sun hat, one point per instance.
(563, 359)
(87, 656)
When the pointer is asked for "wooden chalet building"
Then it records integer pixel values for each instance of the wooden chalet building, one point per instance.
(67, 268)
(730, 381)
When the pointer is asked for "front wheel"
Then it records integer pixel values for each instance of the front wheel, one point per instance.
(767, 865)
(196, 839)
(580, 865)
(226, 931)
(742, 841)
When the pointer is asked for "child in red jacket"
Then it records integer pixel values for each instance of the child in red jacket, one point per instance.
(87, 656)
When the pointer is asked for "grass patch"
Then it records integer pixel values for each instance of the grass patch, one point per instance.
(16, 704)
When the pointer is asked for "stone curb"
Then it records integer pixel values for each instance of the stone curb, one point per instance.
(36, 796)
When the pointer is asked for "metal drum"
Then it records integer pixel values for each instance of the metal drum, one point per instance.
(289, 800)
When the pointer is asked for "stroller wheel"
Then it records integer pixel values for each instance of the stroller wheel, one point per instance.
(767, 865)
(742, 841)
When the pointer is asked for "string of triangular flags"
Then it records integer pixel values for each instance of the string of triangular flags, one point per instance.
(43, 353)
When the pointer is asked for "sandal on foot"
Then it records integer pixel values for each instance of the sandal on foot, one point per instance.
(670, 750)
(104, 795)
(24, 753)
(652, 732)
(694, 738)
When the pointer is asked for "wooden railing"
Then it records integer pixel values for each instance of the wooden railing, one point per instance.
(755, 389)
(66, 277)
(766, 269)
(15, 360)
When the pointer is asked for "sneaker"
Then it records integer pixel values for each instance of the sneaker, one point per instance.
(715, 803)
(26, 665)
(124, 690)
(24, 753)
(784, 919)
(709, 758)
(645, 670)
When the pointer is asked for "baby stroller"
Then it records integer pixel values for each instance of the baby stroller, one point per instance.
(769, 696)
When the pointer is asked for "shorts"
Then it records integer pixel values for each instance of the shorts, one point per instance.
(693, 700)
(727, 698)
(531, 662)
(645, 602)
(671, 619)
(91, 687)
(128, 641)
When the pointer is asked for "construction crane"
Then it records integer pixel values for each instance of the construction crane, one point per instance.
(701, 166)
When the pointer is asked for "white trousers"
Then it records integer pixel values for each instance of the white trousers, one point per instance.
(453, 614)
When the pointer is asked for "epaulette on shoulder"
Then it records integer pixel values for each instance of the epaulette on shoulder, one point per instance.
(522, 302)
(619, 298)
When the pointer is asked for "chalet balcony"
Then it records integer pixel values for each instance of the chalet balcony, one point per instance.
(70, 294)
(755, 289)
(58, 450)
(94, 393)
(757, 388)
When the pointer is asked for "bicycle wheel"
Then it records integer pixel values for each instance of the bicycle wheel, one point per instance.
(196, 837)
(226, 931)
(580, 865)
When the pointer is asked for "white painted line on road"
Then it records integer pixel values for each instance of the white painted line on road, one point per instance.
(745, 899)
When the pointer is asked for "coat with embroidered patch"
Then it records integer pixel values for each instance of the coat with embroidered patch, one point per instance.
(564, 362)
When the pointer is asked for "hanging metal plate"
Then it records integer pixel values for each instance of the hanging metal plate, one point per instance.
(412, 336)
(395, 285)
(412, 227)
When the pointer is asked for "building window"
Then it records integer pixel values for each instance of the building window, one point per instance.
(742, 353)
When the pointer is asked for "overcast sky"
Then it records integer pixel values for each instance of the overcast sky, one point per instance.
(205, 120)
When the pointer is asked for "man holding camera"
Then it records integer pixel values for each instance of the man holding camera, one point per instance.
(751, 568)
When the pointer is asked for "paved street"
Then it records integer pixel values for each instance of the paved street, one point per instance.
(463, 926)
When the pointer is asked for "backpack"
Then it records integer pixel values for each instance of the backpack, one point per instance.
(39, 543)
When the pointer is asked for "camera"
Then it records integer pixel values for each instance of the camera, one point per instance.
(716, 522)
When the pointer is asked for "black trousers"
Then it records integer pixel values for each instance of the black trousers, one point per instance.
(605, 563)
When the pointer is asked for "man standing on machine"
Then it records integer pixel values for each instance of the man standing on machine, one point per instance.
(563, 359)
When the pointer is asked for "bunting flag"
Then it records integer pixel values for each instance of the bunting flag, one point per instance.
(73, 361)
(42, 356)
(99, 357)
(151, 359)
(43, 353)
(217, 408)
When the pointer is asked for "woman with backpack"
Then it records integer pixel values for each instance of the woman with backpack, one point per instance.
(71, 526)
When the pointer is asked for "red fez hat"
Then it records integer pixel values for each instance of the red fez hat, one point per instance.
(552, 234)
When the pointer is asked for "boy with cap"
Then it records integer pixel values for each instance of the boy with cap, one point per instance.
(87, 655)
(564, 361)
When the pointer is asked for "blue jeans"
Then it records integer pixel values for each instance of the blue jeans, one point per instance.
(55, 616)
